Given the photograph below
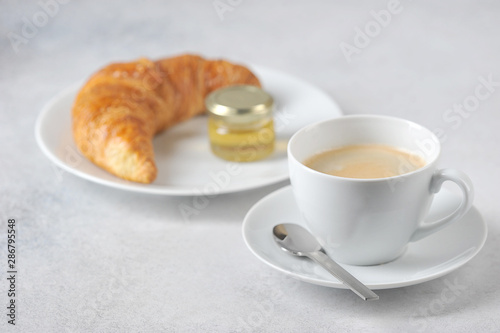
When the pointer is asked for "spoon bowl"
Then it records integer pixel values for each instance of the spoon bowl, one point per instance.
(298, 245)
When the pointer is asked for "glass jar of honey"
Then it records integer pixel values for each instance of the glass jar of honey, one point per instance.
(240, 124)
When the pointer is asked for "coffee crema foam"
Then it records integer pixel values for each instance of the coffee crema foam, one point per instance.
(367, 161)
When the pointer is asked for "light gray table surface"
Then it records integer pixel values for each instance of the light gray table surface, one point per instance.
(96, 259)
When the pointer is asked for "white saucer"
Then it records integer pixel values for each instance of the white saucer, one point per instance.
(427, 259)
(185, 164)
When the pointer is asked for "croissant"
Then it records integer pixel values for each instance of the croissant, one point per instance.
(119, 110)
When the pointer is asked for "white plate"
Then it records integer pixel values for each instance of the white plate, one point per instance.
(185, 164)
(427, 259)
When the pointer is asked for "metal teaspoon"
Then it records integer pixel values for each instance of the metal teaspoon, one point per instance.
(296, 240)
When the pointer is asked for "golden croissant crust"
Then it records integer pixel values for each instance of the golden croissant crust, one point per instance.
(119, 110)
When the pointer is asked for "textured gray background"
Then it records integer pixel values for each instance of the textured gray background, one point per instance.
(92, 258)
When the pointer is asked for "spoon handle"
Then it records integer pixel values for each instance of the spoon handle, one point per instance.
(340, 273)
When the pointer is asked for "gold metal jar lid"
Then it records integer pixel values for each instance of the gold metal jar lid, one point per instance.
(240, 104)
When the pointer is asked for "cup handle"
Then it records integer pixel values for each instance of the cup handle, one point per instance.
(464, 183)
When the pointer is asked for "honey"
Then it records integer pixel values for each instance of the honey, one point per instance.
(240, 124)
(242, 143)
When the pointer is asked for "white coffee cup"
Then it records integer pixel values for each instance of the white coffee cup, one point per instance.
(370, 221)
